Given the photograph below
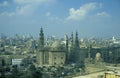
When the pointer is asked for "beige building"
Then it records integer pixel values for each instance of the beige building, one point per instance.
(50, 55)
(112, 72)
(50, 58)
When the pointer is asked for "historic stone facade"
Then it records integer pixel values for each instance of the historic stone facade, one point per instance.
(46, 57)
(71, 52)
(55, 55)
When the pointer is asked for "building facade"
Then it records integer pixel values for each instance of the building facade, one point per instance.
(55, 55)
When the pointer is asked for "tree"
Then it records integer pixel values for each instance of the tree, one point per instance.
(3, 62)
(15, 71)
(34, 73)
(2, 73)
(38, 74)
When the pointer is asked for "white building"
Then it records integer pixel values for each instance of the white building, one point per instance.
(16, 61)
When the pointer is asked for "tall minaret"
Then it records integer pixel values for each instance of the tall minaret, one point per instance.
(41, 40)
(71, 43)
(40, 49)
(66, 46)
(70, 52)
(76, 55)
(71, 40)
(76, 41)
(89, 51)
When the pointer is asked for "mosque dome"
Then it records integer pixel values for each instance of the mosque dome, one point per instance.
(57, 46)
(98, 55)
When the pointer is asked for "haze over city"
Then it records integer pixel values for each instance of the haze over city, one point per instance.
(91, 18)
(59, 39)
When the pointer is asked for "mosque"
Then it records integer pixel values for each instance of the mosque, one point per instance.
(57, 54)
(50, 55)
(71, 52)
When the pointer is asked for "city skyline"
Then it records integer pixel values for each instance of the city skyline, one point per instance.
(90, 18)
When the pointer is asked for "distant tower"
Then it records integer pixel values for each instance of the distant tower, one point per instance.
(41, 40)
(113, 38)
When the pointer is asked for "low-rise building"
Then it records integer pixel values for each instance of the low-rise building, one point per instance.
(112, 72)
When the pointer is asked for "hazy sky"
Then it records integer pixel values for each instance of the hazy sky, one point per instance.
(91, 18)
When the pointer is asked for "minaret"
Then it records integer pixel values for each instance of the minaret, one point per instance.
(72, 39)
(41, 40)
(76, 41)
(40, 49)
(76, 55)
(70, 53)
(89, 52)
(66, 46)
(71, 43)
